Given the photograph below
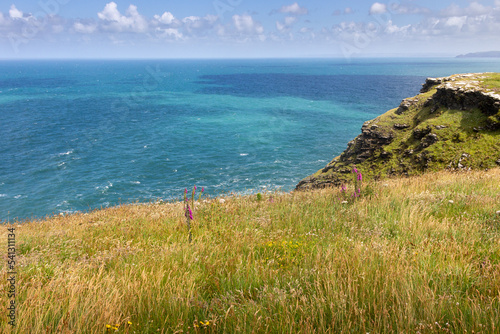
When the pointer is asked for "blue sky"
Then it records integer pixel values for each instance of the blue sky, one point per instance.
(244, 28)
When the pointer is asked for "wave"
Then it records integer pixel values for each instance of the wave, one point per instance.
(65, 153)
(105, 188)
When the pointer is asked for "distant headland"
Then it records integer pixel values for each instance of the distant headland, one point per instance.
(488, 54)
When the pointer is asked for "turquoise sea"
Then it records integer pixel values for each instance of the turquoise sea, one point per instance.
(78, 135)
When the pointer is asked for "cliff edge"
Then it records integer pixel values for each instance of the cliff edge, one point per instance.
(453, 123)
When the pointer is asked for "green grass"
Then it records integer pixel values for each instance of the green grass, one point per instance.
(403, 259)
(492, 82)
(458, 132)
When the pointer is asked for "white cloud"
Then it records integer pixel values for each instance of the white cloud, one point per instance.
(169, 33)
(166, 18)
(394, 29)
(294, 9)
(286, 24)
(462, 27)
(57, 29)
(456, 21)
(452, 10)
(378, 8)
(132, 22)
(84, 29)
(474, 9)
(350, 27)
(139, 23)
(221, 30)
(199, 24)
(289, 20)
(408, 9)
(245, 24)
(110, 13)
(307, 33)
(472, 22)
(192, 20)
(346, 11)
(469, 23)
(15, 13)
(280, 26)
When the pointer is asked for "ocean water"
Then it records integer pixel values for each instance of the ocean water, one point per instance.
(78, 135)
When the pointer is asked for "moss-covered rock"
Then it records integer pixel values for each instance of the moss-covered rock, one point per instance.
(454, 123)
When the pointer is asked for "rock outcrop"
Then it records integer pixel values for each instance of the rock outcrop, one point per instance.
(454, 123)
(457, 93)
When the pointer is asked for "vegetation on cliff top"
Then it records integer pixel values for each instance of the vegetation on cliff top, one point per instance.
(453, 124)
(410, 255)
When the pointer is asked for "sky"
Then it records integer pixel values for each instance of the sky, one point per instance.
(32, 29)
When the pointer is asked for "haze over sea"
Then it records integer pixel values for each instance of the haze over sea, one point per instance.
(78, 134)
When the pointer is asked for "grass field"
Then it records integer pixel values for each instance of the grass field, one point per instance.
(411, 255)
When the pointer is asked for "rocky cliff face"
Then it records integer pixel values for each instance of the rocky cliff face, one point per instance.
(454, 123)
(462, 92)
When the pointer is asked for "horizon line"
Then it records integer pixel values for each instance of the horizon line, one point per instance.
(244, 58)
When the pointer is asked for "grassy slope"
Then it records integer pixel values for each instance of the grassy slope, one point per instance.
(458, 137)
(402, 258)
(493, 82)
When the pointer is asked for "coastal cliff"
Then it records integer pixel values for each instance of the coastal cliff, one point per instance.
(454, 123)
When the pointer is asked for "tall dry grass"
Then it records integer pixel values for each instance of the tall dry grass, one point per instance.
(417, 255)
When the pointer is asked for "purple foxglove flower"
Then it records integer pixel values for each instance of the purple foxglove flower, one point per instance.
(202, 189)
(355, 170)
(360, 177)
